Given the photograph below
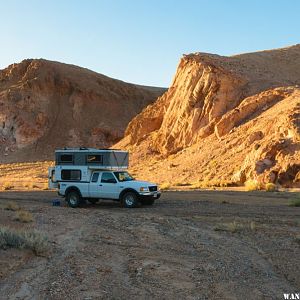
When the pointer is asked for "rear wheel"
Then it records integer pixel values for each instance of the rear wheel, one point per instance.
(73, 198)
(129, 200)
(148, 201)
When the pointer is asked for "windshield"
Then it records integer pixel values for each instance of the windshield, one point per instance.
(123, 176)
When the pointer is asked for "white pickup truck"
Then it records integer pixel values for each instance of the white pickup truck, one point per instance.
(104, 184)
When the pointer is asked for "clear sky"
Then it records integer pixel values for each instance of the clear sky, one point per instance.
(141, 41)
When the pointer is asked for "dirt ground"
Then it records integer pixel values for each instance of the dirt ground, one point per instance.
(189, 245)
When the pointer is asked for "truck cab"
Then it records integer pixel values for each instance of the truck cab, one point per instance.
(80, 182)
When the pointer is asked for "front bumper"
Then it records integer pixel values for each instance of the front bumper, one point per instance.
(147, 195)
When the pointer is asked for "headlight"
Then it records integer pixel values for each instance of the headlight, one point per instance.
(144, 189)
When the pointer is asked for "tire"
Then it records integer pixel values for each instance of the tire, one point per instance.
(148, 201)
(93, 201)
(74, 199)
(129, 200)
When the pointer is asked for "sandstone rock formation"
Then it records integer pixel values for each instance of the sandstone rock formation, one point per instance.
(224, 118)
(45, 104)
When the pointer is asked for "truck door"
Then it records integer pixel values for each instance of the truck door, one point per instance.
(94, 186)
(109, 186)
(52, 183)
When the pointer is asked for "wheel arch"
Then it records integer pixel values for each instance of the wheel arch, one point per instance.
(73, 189)
(126, 191)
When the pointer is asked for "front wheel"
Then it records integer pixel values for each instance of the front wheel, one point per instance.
(73, 198)
(129, 200)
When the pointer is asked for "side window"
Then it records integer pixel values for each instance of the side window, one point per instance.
(108, 178)
(66, 158)
(74, 175)
(95, 177)
(95, 159)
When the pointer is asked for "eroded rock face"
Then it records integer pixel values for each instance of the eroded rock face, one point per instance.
(241, 112)
(45, 105)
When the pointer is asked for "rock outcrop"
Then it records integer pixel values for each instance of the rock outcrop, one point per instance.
(45, 104)
(219, 106)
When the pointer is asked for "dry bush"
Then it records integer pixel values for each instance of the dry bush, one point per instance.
(11, 205)
(7, 186)
(271, 187)
(253, 226)
(182, 184)
(235, 227)
(23, 216)
(165, 186)
(197, 185)
(30, 185)
(231, 227)
(24, 239)
(45, 187)
(252, 185)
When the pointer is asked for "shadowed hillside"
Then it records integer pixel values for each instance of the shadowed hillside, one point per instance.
(45, 105)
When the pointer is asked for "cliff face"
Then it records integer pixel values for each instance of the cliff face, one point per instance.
(211, 98)
(45, 105)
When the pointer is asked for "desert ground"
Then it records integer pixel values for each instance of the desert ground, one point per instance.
(189, 245)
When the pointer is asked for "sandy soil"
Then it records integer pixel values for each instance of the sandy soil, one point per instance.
(184, 247)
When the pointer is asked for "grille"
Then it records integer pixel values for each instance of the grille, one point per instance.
(152, 188)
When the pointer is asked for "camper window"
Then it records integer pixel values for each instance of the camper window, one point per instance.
(74, 175)
(91, 159)
(66, 158)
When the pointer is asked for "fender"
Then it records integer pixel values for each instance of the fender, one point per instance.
(73, 188)
(128, 190)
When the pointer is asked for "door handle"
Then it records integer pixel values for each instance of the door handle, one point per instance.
(100, 184)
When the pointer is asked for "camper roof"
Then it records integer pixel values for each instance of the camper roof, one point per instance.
(83, 149)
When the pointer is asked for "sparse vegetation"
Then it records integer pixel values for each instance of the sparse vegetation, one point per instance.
(235, 227)
(271, 187)
(30, 185)
(206, 183)
(7, 186)
(294, 202)
(165, 186)
(252, 185)
(33, 240)
(11, 205)
(253, 226)
(182, 184)
(23, 216)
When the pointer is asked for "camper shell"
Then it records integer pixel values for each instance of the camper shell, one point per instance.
(78, 164)
(100, 158)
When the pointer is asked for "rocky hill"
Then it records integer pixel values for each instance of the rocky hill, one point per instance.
(223, 120)
(46, 104)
